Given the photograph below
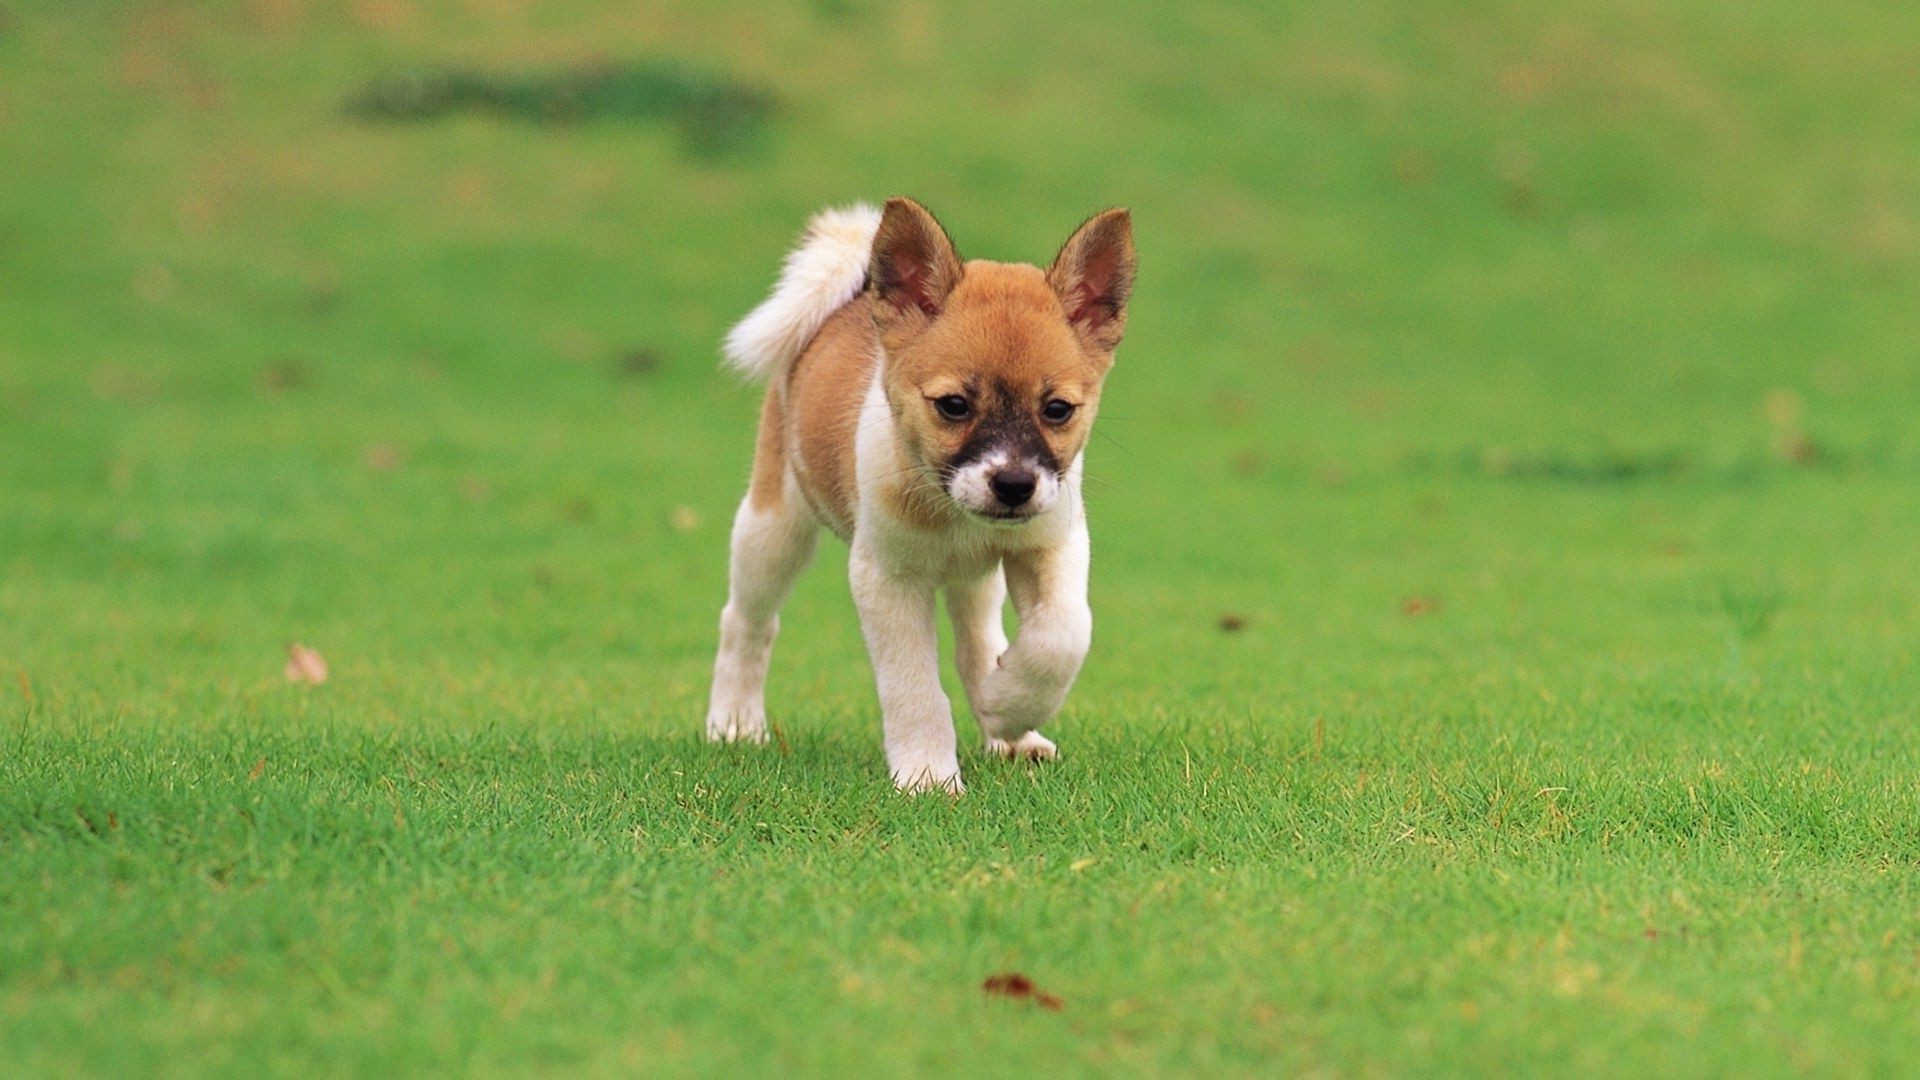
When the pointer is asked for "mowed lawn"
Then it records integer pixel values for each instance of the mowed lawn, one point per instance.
(1506, 518)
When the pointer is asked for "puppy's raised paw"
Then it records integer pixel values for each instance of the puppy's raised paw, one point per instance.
(1032, 746)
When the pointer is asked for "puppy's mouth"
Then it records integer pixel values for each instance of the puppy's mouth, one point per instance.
(1003, 516)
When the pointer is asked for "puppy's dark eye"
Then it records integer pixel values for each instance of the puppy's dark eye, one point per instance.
(952, 407)
(1057, 411)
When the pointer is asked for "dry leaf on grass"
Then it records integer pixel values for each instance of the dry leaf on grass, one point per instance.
(305, 665)
(1013, 984)
(383, 457)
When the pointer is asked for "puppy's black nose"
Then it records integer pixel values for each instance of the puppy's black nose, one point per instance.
(1014, 486)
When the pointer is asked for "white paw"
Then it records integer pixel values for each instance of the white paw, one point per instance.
(739, 723)
(1010, 704)
(1032, 746)
(922, 779)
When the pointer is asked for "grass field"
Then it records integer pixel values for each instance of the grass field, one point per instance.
(1533, 385)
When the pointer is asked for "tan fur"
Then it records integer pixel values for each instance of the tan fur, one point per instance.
(768, 487)
(824, 390)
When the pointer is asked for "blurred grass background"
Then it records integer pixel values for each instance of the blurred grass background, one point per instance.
(1535, 386)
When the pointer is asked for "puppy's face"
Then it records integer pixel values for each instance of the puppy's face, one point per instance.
(994, 370)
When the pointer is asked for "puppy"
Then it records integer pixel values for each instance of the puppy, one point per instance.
(933, 414)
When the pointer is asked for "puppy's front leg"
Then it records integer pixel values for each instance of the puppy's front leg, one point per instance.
(979, 640)
(897, 619)
(1049, 588)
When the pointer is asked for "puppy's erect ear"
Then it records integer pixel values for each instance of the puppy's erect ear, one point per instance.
(913, 267)
(1093, 276)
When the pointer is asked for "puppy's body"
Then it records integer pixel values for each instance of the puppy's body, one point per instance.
(932, 414)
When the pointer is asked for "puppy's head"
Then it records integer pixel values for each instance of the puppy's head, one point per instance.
(994, 369)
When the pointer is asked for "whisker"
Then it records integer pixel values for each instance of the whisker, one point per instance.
(1116, 443)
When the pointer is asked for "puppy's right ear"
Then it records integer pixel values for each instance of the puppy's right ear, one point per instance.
(913, 267)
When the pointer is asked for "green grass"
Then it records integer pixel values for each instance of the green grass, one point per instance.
(1536, 383)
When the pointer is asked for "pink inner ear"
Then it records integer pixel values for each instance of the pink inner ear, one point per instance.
(1094, 304)
(910, 287)
(1091, 307)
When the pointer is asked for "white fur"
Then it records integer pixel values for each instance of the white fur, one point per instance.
(972, 486)
(821, 274)
(770, 548)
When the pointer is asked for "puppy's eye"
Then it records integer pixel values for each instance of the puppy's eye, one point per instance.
(1057, 411)
(952, 407)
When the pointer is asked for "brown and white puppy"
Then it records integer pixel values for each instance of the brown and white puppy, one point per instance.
(933, 413)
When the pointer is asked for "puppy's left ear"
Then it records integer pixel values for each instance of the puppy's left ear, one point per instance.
(1093, 276)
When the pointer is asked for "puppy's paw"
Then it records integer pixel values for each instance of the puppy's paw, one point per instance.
(1010, 704)
(1031, 746)
(928, 778)
(737, 723)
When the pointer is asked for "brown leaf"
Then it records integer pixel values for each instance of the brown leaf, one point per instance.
(1232, 406)
(1009, 984)
(283, 375)
(1232, 624)
(259, 767)
(305, 665)
(1795, 448)
(383, 457)
(1013, 984)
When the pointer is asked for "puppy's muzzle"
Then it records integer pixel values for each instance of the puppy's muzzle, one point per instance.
(1004, 488)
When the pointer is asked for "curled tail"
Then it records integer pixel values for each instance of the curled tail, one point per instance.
(826, 270)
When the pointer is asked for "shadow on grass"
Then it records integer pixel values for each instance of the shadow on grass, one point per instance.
(1608, 467)
(716, 114)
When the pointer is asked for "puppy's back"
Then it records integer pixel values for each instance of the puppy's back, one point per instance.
(824, 391)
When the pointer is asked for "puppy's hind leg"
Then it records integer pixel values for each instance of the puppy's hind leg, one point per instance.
(773, 540)
(979, 640)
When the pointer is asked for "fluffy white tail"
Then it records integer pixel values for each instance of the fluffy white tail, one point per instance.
(820, 275)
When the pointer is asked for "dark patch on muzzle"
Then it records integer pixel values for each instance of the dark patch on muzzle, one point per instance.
(1009, 428)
